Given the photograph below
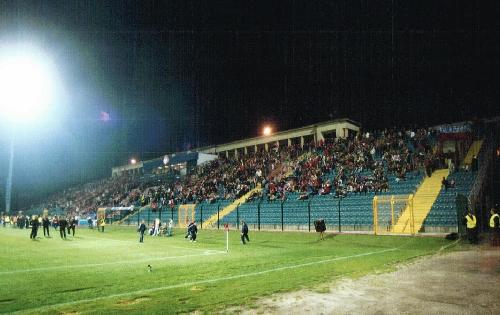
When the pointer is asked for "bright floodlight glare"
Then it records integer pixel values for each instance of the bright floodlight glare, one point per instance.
(133, 161)
(26, 84)
(267, 131)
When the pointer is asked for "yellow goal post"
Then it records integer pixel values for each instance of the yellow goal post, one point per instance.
(186, 214)
(392, 214)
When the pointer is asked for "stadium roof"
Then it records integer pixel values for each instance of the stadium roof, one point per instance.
(278, 135)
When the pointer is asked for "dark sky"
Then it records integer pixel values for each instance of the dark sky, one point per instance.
(181, 74)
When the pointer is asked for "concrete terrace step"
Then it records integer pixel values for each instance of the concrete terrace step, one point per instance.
(423, 200)
(230, 208)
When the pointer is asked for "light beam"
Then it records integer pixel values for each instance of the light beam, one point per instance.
(27, 84)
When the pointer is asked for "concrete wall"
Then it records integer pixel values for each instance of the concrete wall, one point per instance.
(130, 168)
(341, 128)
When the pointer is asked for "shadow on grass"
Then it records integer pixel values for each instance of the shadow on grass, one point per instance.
(75, 290)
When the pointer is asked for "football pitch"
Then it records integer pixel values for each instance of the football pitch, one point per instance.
(108, 272)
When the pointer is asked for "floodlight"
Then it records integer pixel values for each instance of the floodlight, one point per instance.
(27, 88)
(26, 84)
(133, 161)
(267, 131)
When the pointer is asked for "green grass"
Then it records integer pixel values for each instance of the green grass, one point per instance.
(107, 272)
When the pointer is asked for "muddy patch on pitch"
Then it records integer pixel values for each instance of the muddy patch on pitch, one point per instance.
(75, 290)
(133, 301)
(196, 289)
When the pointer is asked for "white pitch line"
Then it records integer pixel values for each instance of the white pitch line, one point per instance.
(446, 246)
(169, 246)
(207, 253)
(186, 284)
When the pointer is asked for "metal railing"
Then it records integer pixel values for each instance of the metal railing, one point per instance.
(484, 159)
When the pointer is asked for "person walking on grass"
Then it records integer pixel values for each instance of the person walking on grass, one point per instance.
(192, 231)
(63, 225)
(244, 232)
(102, 223)
(46, 225)
(71, 225)
(34, 228)
(141, 230)
(55, 222)
(170, 227)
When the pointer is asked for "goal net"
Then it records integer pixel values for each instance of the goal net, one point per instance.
(186, 214)
(393, 214)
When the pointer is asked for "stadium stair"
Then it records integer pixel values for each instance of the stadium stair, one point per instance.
(423, 200)
(133, 213)
(301, 158)
(276, 171)
(444, 210)
(473, 151)
(212, 220)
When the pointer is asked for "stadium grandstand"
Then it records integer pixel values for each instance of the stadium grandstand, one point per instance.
(288, 180)
(249, 157)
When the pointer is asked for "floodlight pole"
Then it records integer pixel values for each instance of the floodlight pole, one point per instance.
(8, 184)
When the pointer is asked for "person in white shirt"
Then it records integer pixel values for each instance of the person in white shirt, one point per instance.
(170, 227)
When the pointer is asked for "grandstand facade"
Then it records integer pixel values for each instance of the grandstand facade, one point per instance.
(339, 128)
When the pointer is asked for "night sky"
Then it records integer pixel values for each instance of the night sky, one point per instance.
(175, 75)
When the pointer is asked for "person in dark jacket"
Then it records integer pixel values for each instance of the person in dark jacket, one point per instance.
(188, 231)
(244, 232)
(34, 227)
(320, 227)
(46, 225)
(71, 225)
(192, 231)
(63, 225)
(141, 230)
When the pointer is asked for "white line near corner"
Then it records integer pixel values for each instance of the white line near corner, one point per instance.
(169, 246)
(449, 245)
(187, 284)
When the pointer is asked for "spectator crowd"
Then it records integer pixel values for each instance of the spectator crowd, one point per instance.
(337, 167)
